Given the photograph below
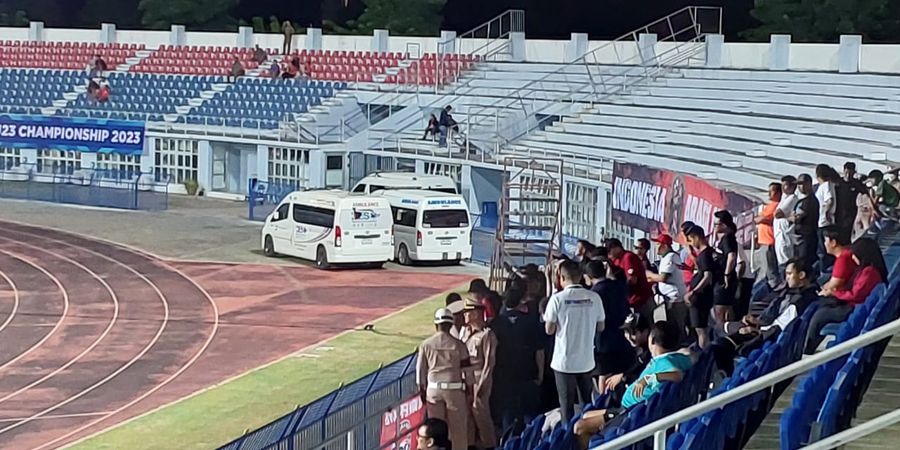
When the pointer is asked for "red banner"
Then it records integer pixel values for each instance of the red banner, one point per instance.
(659, 201)
(398, 425)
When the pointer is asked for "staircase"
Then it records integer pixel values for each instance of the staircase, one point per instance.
(528, 226)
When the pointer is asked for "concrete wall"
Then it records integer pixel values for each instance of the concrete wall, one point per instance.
(816, 57)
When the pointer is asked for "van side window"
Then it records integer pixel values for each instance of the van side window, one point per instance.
(360, 188)
(404, 216)
(282, 212)
(374, 188)
(311, 215)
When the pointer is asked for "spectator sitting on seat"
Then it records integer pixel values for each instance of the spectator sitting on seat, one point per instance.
(275, 70)
(103, 92)
(259, 55)
(237, 69)
(433, 434)
(837, 307)
(883, 193)
(97, 66)
(752, 331)
(667, 365)
(433, 128)
(92, 88)
(838, 246)
(447, 124)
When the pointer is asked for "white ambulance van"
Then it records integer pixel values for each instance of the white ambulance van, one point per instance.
(331, 227)
(405, 180)
(429, 226)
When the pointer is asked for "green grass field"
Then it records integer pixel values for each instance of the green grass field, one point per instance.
(221, 414)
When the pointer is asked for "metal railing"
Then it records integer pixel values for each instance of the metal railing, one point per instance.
(657, 430)
(486, 42)
(608, 70)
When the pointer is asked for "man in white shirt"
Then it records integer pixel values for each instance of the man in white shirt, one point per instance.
(785, 239)
(573, 315)
(670, 283)
(827, 177)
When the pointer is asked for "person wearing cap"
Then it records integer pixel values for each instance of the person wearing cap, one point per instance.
(481, 344)
(439, 376)
(454, 303)
(699, 297)
(640, 295)
(670, 283)
(725, 285)
(573, 316)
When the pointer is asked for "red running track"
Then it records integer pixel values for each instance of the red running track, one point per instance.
(94, 333)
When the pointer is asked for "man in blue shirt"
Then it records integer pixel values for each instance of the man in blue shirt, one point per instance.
(667, 365)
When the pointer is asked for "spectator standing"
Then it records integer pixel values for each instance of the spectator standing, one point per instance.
(639, 292)
(827, 178)
(806, 221)
(847, 192)
(573, 316)
(482, 346)
(288, 31)
(670, 284)
(439, 376)
(785, 239)
(838, 304)
(727, 249)
(699, 297)
(612, 354)
(687, 254)
(489, 298)
(642, 249)
(520, 363)
(765, 234)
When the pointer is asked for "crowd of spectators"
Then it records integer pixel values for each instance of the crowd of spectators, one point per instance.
(611, 321)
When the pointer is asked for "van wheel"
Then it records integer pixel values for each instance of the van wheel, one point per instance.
(269, 247)
(403, 255)
(321, 258)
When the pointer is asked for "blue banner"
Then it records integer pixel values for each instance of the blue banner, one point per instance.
(72, 133)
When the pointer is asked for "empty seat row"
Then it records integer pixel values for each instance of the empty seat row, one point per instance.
(264, 124)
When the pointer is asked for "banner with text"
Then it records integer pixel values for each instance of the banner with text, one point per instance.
(659, 201)
(66, 133)
(399, 424)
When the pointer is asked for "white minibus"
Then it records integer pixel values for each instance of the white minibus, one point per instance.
(405, 180)
(331, 227)
(429, 226)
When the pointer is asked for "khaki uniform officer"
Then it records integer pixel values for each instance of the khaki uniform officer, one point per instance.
(482, 345)
(439, 375)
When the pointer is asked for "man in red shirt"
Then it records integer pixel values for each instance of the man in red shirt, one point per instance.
(639, 292)
(836, 244)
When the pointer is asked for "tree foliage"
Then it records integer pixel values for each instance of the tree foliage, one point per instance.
(209, 15)
(826, 20)
(400, 17)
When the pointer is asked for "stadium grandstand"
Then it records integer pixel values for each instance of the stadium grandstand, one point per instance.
(568, 152)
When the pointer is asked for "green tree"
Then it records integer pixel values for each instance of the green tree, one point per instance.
(402, 17)
(123, 13)
(259, 24)
(826, 20)
(207, 15)
(274, 25)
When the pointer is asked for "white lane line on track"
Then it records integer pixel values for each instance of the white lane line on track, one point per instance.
(187, 365)
(65, 295)
(59, 416)
(159, 332)
(15, 308)
(109, 326)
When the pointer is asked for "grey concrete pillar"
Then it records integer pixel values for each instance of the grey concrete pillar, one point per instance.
(36, 31)
(848, 53)
(245, 37)
(517, 46)
(780, 52)
(177, 36)
(647, 48)
(380, 40)
(715, 45)
(314, 39)
(577, 47)
(447, 42)
(107, 33)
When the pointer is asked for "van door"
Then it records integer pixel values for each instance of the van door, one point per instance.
(405, 220)
(280, 226)
(445, 231)
(313, 226)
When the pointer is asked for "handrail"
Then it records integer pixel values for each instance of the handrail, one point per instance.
(657, 429)
(514, 19)
(851, 434)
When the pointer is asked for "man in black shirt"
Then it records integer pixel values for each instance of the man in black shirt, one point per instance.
(612, 352)
(700, 296)
(806, 222)
(519, 367)
(846, 194)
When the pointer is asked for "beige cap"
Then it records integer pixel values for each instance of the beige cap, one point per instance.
(456, 307)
